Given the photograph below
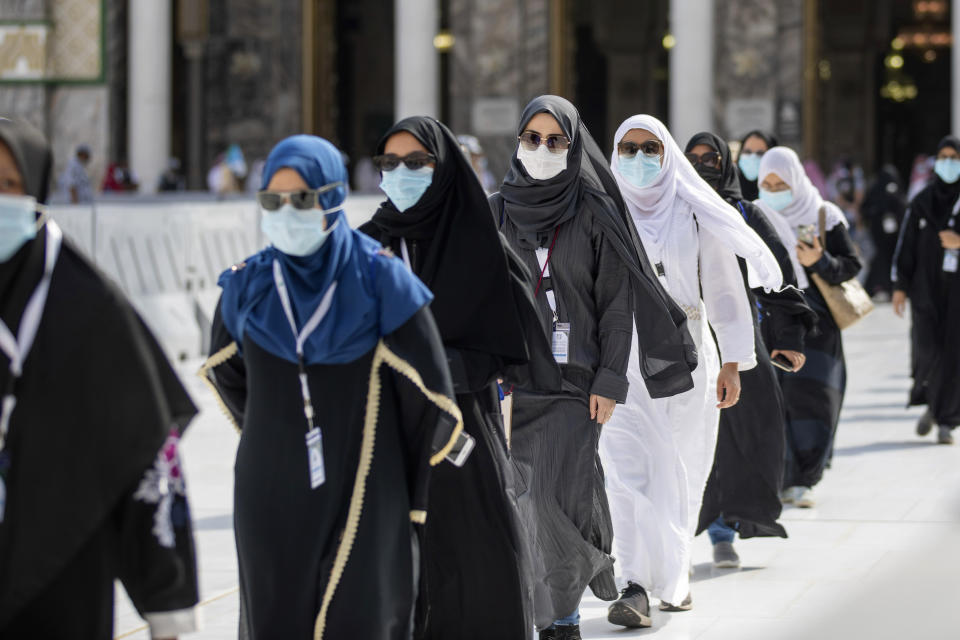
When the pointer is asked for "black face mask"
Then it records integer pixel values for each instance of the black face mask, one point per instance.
(710, 175)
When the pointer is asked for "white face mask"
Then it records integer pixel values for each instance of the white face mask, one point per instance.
(542, 164)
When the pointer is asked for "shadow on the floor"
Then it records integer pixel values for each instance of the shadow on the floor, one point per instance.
(212, 523)
(874, 406)
(877, 447)
(706, 571)
(906, 418)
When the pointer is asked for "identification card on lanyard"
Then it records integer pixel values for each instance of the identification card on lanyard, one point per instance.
(951, 257)
(17, 348)
(560, 342)
(313, 437)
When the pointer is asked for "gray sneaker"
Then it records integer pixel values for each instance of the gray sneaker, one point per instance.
(686, 605)
(725, 556)
(925, 423)
(944, 435)
(632, 609)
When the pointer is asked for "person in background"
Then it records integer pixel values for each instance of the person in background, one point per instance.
(882, 212)
(172, 179)
(91, 482)
(927, 272)
(752, 147)
(478, 160)
(75, 182)
(920, 175)
(813, 396)
(743, 491)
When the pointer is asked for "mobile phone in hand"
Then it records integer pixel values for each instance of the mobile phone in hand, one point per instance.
(806, 233)
(782, 362)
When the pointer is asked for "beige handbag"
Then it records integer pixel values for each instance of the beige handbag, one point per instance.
(848, 301)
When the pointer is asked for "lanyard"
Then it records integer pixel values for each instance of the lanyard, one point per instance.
(405, 253)
(551, 296)
(953, 215)
(301, 336)
(17, 348)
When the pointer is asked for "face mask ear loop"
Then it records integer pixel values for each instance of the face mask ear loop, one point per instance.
(44, 215)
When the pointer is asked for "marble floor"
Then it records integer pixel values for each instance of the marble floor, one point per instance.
(877, 558)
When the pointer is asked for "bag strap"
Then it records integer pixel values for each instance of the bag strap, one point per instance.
(822, 218)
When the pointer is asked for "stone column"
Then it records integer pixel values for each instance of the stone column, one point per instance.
(955, 70)
(416, 61)
(691, 68)
(149, 76)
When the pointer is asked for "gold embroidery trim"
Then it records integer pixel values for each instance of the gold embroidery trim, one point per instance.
(383, 355)
(213, 362)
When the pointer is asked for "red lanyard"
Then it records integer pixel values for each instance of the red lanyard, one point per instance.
(547, 263)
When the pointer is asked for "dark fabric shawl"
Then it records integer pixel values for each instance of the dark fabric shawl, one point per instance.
(667, 353)
(749, 188)
(464, 263)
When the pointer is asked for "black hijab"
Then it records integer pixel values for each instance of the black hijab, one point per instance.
(935, 202)
(749, 188)
(32, 155)
(465, 264)
(667, 353)
(538, 207)
(727, 179)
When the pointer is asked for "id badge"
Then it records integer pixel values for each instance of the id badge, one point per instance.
(889, 224)
(315, 456)
(3, 497)
(561, 342)
(951, 260)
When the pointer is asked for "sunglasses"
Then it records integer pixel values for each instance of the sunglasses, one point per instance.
(649, 148)
(708, 159)
(413, 160)
(303, 200)
(555, 142)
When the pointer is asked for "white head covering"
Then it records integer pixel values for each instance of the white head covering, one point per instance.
(804, 209)
(679, 185)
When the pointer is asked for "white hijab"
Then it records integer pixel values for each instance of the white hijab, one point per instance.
(804, 209)
(679, 186)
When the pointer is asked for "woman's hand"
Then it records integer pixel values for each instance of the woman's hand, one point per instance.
(807, 255)
(950, 239)
(899, 302)
(728, 385)
(601, 409)
(796, 358)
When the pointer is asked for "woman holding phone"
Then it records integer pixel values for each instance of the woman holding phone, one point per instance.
(813, 400)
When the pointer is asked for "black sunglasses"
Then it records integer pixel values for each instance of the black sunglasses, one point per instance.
(708, 159)
(303, 200)
(649, 148)
(413, 160)
(554, 142)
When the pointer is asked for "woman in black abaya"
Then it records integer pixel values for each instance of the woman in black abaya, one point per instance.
(477, 582)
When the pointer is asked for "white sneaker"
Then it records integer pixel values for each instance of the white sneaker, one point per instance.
(789, 495)
(804, 498)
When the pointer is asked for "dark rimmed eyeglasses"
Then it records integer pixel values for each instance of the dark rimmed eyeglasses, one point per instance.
(708, 159)
(555, 142)
(303, 199)
(413, 160)
(649, 148)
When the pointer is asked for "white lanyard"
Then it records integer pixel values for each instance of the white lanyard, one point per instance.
(301, 336)
(405, 253)
(17, 348)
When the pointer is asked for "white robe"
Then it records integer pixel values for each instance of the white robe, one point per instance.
(657, 454)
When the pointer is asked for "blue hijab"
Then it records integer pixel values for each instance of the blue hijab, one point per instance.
(375, 295)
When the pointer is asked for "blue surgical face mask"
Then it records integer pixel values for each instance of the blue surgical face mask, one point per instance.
(296, 232)
(948, 169)
(640, 170)
(406, 186)
(776, 200)
(18, 223)
(749, 164)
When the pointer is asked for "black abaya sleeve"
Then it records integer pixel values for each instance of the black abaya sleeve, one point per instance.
(614, 302)
(157, 553)
(839, 261)
(429, 417)
(225, 370)
(905, 257)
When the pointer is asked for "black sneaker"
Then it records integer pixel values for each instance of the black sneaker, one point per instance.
(550, 633)
(925, 423)
(632, 609)
(567, 632)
